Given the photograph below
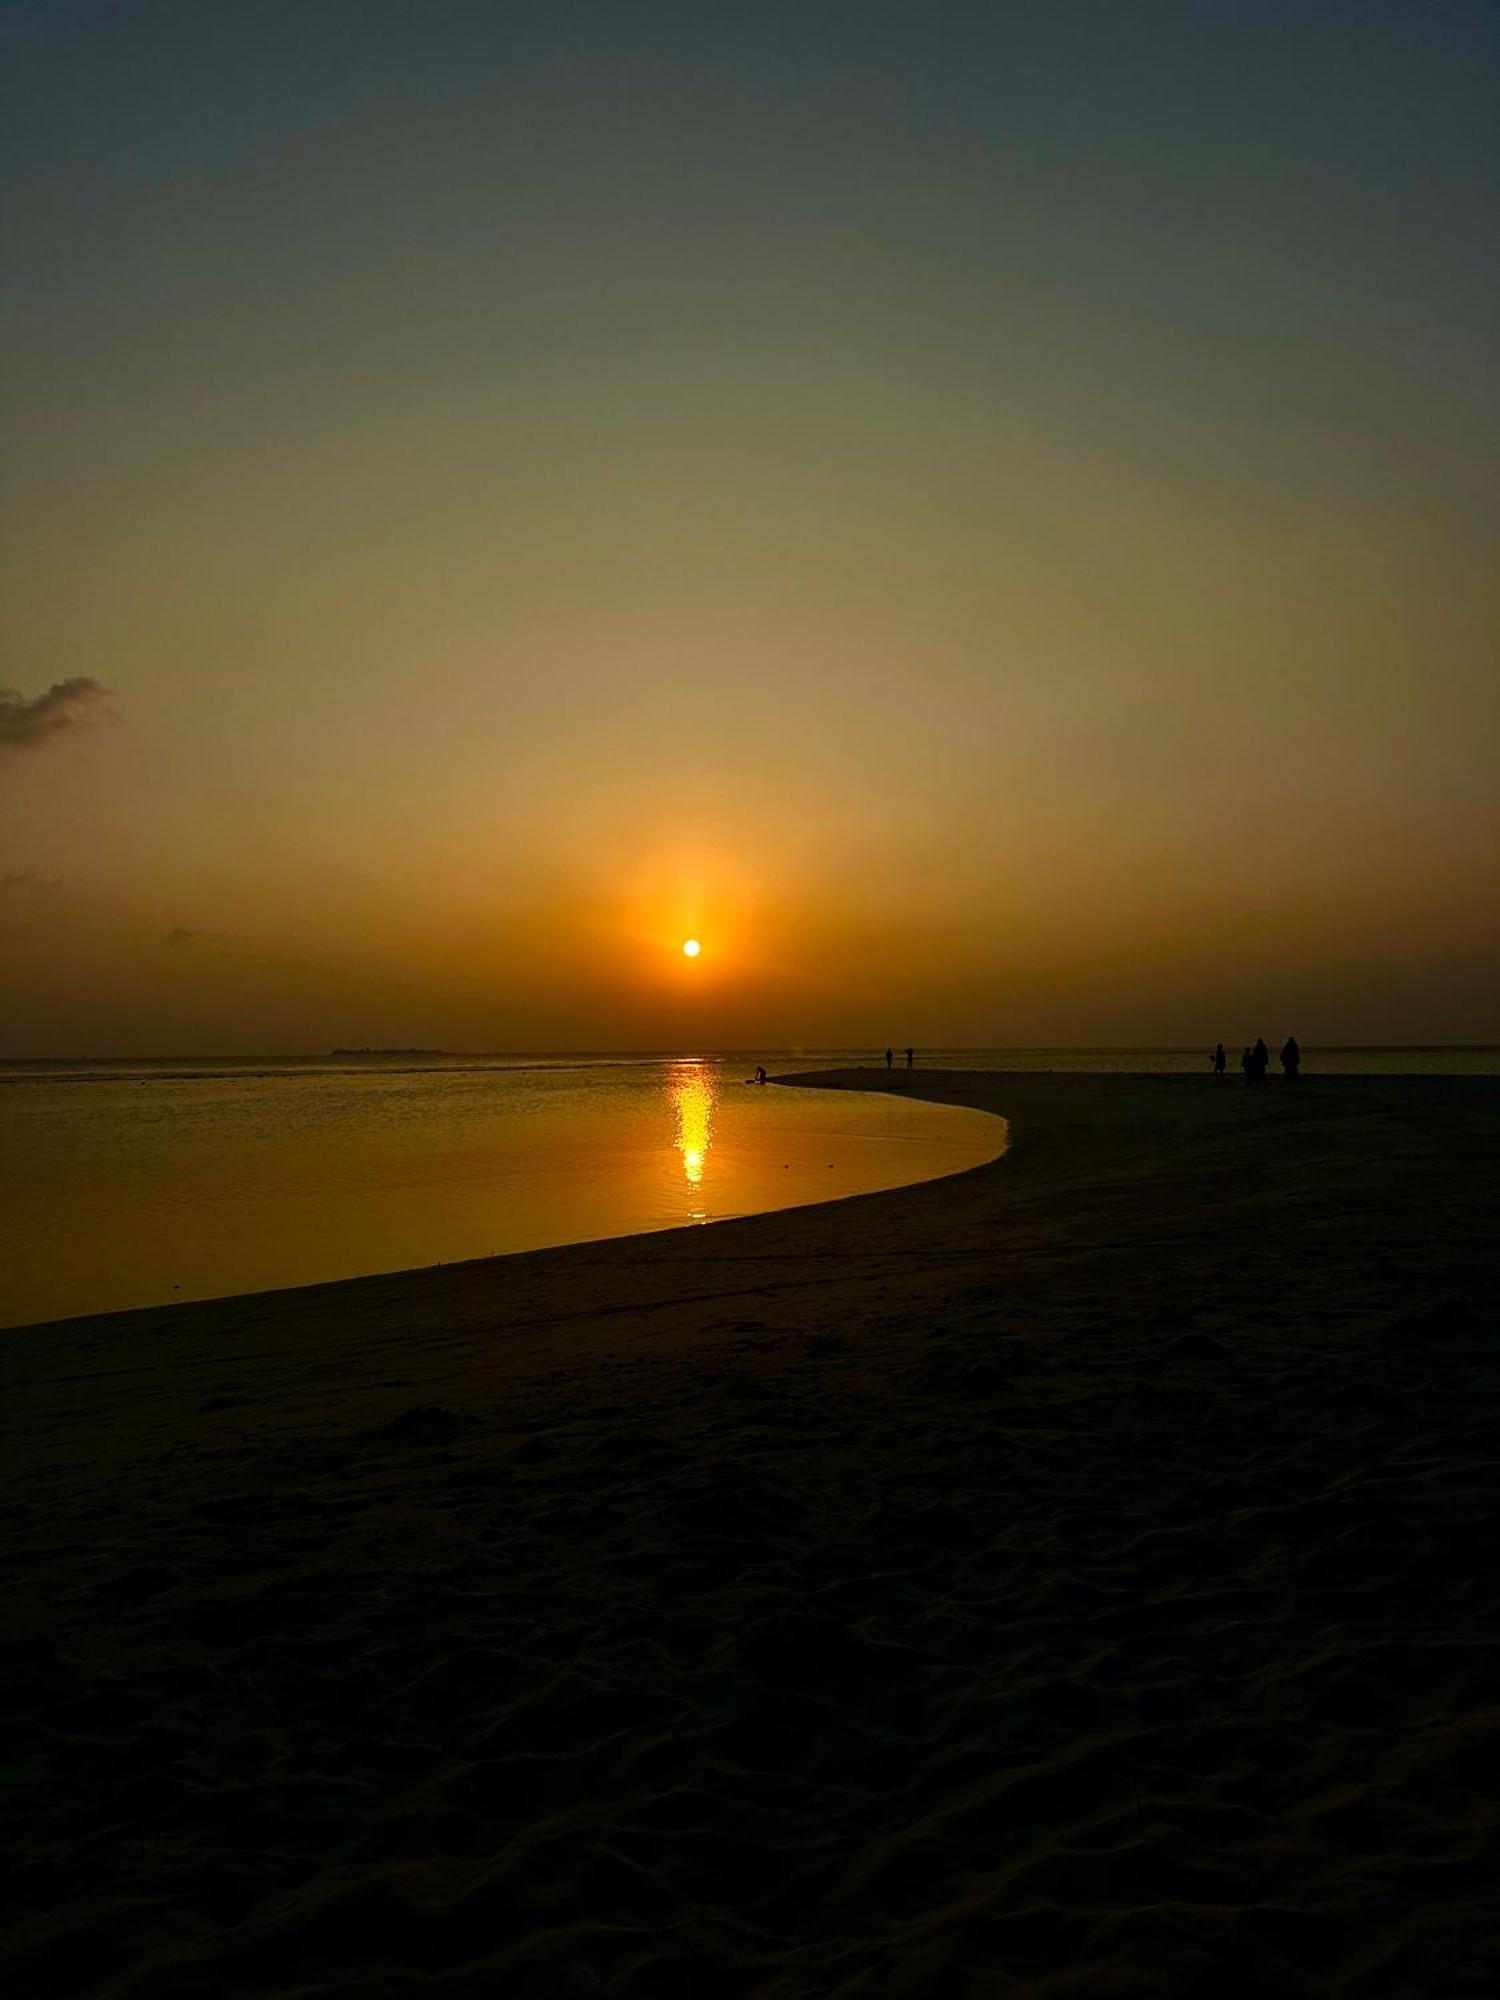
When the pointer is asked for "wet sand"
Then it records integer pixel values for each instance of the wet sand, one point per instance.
(1078, 1576)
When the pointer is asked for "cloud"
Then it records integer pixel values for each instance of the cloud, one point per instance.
(66, 706)
(28, 878)
(181, 935)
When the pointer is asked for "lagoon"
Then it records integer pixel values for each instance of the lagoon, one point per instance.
(130, 1184)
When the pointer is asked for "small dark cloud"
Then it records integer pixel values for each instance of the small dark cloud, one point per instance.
(28, 878)
(66, 706)
(182, 935)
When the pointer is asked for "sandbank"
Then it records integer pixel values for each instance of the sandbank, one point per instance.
(1077, 1575)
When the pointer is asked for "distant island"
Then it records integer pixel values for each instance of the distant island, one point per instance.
(386, 1052)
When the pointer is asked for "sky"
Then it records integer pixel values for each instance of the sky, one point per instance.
(986, 516)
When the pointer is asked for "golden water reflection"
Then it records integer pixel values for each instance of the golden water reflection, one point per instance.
(693, 1089)
(228, 1178)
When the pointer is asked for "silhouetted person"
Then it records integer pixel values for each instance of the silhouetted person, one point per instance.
(760, 1072)
(911, 1058)
(1260, 1060)
(1291, 1058)
(1221, 1062)
(890, 1057)
(1245, 1065)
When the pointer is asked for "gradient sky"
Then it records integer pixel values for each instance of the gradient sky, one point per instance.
(986, 515)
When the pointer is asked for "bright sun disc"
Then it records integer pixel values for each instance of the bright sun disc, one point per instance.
(691, 948)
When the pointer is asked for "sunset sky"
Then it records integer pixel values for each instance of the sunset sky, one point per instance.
(984, 515)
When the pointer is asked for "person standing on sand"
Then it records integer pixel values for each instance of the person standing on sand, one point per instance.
(1245, 1065)
(1220, 1061)
(1291, 1058)
(890, 1057)
(1260, 1060)
(911, 1058)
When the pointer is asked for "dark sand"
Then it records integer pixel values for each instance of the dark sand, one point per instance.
(1075, 1577)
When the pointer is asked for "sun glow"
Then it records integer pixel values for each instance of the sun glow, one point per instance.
(691, 948)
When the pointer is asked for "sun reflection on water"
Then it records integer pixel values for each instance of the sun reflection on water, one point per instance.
(693, 1088)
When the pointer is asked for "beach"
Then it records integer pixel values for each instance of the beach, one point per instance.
(1073, 1576)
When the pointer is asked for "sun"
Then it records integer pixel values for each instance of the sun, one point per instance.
(691, 947)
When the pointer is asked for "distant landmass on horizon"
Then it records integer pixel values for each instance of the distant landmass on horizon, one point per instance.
(385, 1052)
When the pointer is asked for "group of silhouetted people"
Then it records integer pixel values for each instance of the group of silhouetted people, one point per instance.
(1254, 1062)
(911, 1058)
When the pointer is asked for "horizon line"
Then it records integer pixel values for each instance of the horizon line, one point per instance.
(681, 1052)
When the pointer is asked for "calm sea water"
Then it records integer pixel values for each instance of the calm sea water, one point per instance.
(136, 1183)
(125, 1184)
